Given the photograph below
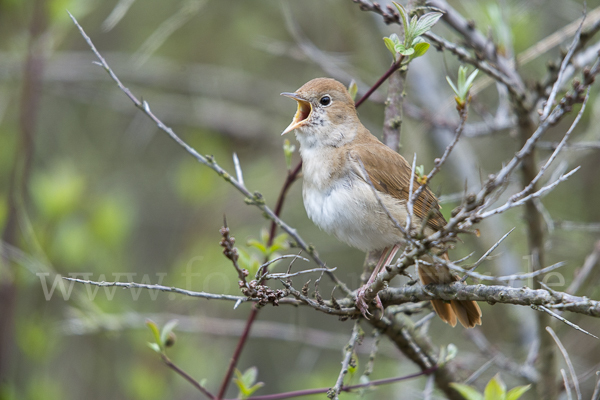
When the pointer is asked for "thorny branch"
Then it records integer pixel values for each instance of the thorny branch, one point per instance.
(392, 296)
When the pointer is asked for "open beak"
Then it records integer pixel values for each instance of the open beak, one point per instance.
(302, 114)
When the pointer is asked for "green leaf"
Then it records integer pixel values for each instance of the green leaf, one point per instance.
(248, 261)
(154, 329)
(468, 392)
(426, 22)
(166, 331)
(258, 245)
(420, 170)
(250, 375)
(255, 387)
(452, 351)
(403, 15)
(264, 236)
(516, 392)
(246, 382)
(470, 79)
(452, 85)
(288, 151)
(407, 52)
(391, 46)
(495, 389)
(411, 30)
(155, 347)
(353, 87)
(420, 49)
(353, 367)
(416, 40)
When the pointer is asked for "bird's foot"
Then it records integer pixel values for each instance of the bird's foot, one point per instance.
(361, 302)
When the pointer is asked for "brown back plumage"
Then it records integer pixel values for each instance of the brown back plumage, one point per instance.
(390, 173)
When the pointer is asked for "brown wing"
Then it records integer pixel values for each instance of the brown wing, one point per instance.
(390, 173)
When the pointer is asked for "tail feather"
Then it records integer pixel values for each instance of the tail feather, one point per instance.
(445, 312)
(467, 312)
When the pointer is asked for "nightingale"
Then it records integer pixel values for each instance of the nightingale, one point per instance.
(336, 151)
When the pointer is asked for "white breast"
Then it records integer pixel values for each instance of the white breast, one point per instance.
(346, 206)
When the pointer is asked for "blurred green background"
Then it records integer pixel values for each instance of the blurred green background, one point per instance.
(90, 186)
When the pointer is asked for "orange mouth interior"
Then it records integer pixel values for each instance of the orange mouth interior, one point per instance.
(303, 111)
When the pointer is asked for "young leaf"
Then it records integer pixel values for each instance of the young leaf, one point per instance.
(426, 22)
(470, 79)
(420, 49)
(166, 331)
(154, 329)
(353, 367)
(452, 85)
(353, 88)
(516, 392)
(155, 347)
(390, 46)
(452, 351)
(246, 382)
(404, 16)
(468, 392)
(411, 30)
(288, 150)
(395, 38)
(255, 243)
(495, 389)
(406, 52)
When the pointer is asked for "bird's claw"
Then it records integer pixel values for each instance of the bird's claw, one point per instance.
(362, 305)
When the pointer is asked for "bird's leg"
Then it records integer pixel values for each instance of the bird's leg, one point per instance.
(362, 291)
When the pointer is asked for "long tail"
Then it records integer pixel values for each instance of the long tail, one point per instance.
(467, 312)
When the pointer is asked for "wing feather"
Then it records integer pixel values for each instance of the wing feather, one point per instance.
(390, 173)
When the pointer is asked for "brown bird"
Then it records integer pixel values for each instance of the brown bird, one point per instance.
(336, 151)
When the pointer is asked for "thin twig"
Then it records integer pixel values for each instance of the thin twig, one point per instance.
(542, 191)
(349, 311)
(480, 371)
(525, 370)
(588, 265)
(290, 275)
(567, 360)
(566, 383)
(596, 395)
(504, 278)
(378, 382)
(348, 353)
(486, 254)
(191, 293)
(294, 257)
(186, 376)
(557, 150)
(237, 353)
(573, 146)
(380, 81)
(566, 321)
(561, 71)
(373, 353)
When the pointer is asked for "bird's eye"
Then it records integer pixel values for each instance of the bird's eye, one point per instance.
(325, 100)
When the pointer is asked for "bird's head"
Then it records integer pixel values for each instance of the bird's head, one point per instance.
(325, 112)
